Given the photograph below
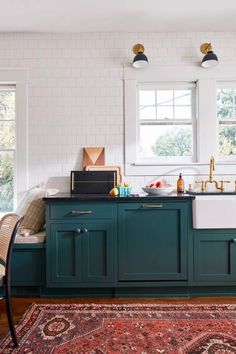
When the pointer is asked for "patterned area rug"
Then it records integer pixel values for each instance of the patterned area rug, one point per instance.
(130, 328)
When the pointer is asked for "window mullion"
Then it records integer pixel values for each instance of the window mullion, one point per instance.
(166, 122)
(173, 103)
(228, 122)
(207, 127)
(156, 103)
(7, 150)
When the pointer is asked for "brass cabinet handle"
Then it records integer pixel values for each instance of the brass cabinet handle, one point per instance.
(81, 212)
(152, 206)
(78, 231)
(85, 231)
(233, 240)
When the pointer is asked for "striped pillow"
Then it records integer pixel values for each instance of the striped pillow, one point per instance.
(31, 194)
(34, 218)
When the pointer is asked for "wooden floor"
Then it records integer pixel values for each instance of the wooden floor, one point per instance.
(20, 305)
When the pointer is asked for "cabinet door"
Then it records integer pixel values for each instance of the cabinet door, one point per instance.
(152, 241)
(214, 256)
(97, 252)
(64, 255)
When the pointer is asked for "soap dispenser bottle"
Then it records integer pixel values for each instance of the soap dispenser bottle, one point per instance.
(180, 184)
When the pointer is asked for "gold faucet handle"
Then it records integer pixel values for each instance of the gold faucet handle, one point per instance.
(222, 185)
(202, 185)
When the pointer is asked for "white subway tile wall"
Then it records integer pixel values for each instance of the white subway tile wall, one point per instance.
(76, 91)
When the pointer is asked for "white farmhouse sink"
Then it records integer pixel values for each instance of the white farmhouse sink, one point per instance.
(214, 212)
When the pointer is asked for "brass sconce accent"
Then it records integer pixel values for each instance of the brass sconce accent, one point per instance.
(140, 59)
(210, 59)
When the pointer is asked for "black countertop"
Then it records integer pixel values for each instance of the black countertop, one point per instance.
(210, 193)
(108, 198)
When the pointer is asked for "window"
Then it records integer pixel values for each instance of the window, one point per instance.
(166, 122)
(7, 147)
(165, 101)
(13, 137)
(226, 115)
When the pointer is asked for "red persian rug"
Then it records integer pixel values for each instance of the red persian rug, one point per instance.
(129, 328)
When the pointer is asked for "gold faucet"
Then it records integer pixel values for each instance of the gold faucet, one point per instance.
(218, 185)
(210, 180)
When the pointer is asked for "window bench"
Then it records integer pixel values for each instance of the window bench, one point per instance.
(32, 239)
(28, 265)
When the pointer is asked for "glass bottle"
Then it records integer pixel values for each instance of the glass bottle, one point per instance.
(180, 184)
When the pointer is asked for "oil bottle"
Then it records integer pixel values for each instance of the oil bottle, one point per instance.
(180, 184)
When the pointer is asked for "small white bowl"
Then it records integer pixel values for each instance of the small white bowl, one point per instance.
(158, 191)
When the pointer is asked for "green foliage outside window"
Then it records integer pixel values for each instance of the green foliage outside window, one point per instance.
(6, 182)
(7, 145)
(174, 142)
(226, 111)
(227, 140)
(177, 142)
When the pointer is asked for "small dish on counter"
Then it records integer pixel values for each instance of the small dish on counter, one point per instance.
(124, 190)
(159, 191)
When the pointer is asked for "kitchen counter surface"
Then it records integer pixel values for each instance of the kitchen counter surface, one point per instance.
(108, 198)
(211, 193)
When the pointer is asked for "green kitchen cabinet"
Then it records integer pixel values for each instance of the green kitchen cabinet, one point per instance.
(152, 241)
(28, 265)
(79, 254)
(144, 246)
(214, 257)
(80, 244)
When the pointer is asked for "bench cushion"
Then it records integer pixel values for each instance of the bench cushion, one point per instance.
(35, 238)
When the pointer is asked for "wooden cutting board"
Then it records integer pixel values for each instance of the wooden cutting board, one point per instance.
(118, 170)
(93, 156)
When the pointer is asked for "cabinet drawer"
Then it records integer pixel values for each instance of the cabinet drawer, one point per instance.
(75, 211)
(145, 207)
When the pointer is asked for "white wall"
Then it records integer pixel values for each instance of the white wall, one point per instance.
(76, 90)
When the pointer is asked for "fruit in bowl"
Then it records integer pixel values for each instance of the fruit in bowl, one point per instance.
(160, 184)
(158, 188)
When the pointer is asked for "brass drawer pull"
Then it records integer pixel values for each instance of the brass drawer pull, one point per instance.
(81, 212)
(152, 206)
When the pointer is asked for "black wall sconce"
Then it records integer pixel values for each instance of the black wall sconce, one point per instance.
(140, 60)
(210, 59)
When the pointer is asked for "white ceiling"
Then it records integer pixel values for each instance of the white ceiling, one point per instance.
(117, 15)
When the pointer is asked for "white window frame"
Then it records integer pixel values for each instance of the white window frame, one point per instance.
(225, 84)
(170, 86)
(206, 126)
(19, 78)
